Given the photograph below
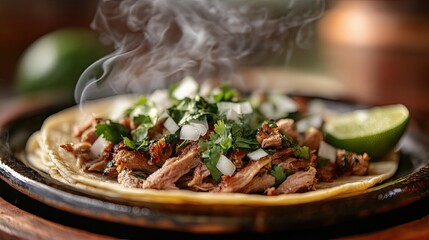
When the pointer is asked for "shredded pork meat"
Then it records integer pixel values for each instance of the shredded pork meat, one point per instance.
(312, 138)
(178, 164)
(269, 136)
(301, 181)
(243, 177)
(197, 181)
(259, 184)
(288, 127)
(173, 169)
(130, 179)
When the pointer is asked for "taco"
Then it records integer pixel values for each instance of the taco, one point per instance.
(183, 146)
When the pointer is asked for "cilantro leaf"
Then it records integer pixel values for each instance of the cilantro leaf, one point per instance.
(247, 143)
(142, 100)
(223, 135)
(111, 131)
(211, 153)
(321, 162)
(171, 138)
(219, 143)
(244, 135)
(144, 115)
(140, 176)
(299, 151)
(143, 119)
(278, 173)
(143, 146)
(288, 141)
(171, 89)
(302, 152)
(141, 132)
(191, 109)
(225, 94)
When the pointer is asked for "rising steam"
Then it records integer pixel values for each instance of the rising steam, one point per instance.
(158, 42)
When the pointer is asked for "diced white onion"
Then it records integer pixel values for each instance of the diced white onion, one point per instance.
(317, 106)
(201, 125)
(119, 108)
(194, 129)
(246, 108)
(160, 99)
(327, 151)
(225, 166)
(233, 110)
(145, 110)
(98, 146)
(308, 122)
(258, 154)
(189, 132)
(232, 115)
(187, 87)
(171, 125)
(163, 115)
(225, 106)
(277, 106)
(207, 89)
(267, 109)
(283, 103)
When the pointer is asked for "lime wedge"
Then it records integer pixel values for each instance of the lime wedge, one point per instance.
(375, 131)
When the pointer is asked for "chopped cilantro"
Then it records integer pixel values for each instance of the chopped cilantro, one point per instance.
(225, 94)
(144, 114)
(222, 135)
(244, 135)
(302, 152)
(211, 153)
(250, 144)
(272, 125)
(171, 89)
(142, 100)
(278, 173)
(130, 143)
(140, 133)
(171, 138)
(140, 176)
(288, 142)
(321, 162)
(143, 146)
(191, 109)
(226, 135)
(220, 142)
(111, 131)
(182, 144)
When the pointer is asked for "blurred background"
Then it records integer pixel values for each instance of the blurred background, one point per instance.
(23, 22)
(372, 52)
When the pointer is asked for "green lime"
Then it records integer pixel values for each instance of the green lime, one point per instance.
(56, 60)
(375, 131)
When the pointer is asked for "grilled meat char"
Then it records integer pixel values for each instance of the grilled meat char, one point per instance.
(159, 152)
(269, 136)
(351, 163)
(132, 160)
